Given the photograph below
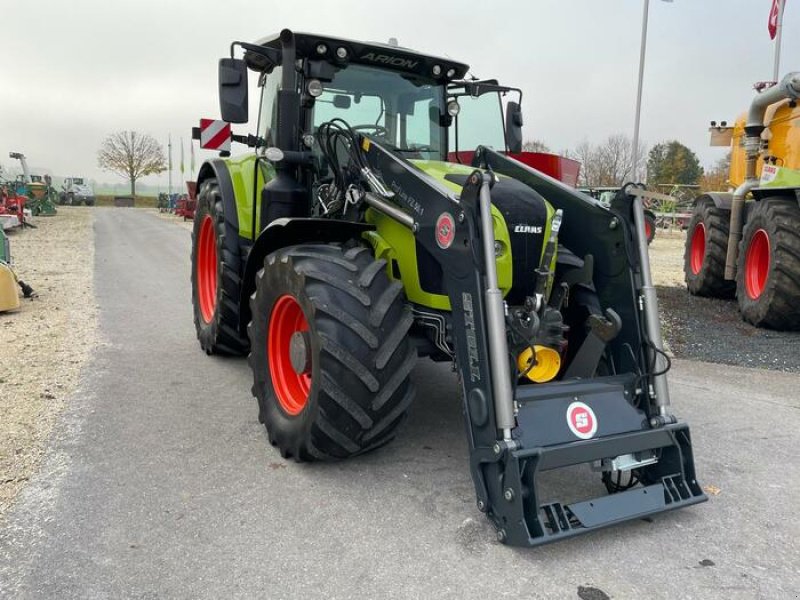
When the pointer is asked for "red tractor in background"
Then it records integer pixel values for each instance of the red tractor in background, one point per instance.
(186, 204)
(12, 206)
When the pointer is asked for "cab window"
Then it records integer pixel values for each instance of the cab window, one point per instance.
(268, 109)
(479, 123)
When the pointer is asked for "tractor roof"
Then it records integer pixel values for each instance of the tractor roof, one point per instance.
(375, 54)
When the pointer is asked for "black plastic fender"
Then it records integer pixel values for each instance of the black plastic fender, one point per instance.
(217, 168)
(289, 232)
(721, 200)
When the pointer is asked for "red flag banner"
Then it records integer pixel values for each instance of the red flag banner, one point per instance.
(772, 24)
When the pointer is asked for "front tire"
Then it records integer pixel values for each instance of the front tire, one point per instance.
(215, 275)
(706, 249)
(331, 356)
(768, 270)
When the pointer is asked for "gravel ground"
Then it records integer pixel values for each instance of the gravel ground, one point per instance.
(45, 343)
(710, 329)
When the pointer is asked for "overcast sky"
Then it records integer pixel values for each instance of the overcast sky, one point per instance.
(74, 71)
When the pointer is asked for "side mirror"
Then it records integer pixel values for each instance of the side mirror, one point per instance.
(341, 101)
(233, 90)
(514, 127)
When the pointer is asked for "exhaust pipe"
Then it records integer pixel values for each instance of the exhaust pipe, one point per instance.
(788, 87)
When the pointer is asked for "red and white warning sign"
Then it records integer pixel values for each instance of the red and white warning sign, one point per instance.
(581, 420)
(215, 135)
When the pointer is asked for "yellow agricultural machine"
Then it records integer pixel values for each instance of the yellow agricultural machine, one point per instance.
(9, 296)
(745, 242)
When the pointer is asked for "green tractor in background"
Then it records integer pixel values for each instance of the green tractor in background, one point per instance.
(38, 189)
(354, 241)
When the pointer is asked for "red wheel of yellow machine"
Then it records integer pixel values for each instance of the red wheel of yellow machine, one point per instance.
(698, 248)
(756, 264)
(289, 355)
(207, 269)
(649, 226)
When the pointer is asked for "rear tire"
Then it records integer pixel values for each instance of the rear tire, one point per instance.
(768, 270)
(706, 249)
(347, 325)
(215, 275)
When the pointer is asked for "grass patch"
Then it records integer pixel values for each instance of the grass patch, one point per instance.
(140, 202)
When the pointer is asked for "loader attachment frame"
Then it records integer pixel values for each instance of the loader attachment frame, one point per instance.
(505, 463)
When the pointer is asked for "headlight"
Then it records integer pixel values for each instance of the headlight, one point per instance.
(314, 88)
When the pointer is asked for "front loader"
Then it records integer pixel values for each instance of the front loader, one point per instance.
(347, 246)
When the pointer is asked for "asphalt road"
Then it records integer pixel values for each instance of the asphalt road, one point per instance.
(159, 481)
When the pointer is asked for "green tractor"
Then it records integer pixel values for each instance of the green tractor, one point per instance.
(38, 189)
(354, 241)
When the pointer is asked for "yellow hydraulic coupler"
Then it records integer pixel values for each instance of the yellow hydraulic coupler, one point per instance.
(546, 367)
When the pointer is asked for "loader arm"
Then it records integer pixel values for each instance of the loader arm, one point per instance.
(505, 463)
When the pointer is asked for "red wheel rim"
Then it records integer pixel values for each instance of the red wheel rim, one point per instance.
(291, 388)
(697, 251)
(756, 264)
(206, 275)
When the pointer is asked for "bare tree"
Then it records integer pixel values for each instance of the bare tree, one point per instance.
(607, 164)
(584, 154)
(535, 146)
(131, 155)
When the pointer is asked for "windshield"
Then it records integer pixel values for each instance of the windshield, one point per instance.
(77, 181)
(479, 123)
(391, 107)
(480, 119)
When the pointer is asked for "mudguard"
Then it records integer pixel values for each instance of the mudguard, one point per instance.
(288, 232)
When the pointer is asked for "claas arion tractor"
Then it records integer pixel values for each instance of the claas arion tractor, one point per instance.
(746, 242)
(347, 246)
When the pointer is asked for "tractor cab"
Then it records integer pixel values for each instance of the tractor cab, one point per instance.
(417, 104)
